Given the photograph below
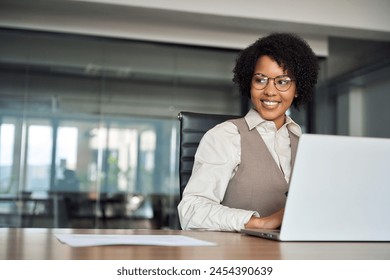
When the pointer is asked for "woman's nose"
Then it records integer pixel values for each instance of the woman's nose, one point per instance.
(270, 89)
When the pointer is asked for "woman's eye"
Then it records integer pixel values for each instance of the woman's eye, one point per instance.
(283, 82)
(261, 80)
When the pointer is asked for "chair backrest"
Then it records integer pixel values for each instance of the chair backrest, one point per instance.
(192, 128)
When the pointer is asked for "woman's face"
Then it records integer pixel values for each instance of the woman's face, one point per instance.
(270, 102)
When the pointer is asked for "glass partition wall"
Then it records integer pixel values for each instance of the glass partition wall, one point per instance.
(88, 126)
(89, 131)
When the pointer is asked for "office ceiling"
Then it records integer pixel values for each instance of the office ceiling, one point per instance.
(154, 22)
(347, 48)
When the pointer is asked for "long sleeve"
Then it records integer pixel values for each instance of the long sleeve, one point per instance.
(216, 160)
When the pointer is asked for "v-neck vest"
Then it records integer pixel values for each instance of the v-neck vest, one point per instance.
(258, 184)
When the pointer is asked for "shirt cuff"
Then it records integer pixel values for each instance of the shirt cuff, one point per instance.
(248, 217)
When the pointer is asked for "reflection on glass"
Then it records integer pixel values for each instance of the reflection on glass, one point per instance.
(39, 147)
(147, 157)
(7, 133)
(66, 178)
(67, 147)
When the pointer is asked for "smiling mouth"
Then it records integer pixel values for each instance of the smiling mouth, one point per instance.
(270, 103)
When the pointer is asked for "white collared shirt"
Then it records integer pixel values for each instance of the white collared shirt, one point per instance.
(214, 166)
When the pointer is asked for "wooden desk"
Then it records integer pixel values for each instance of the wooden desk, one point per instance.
(30, 244)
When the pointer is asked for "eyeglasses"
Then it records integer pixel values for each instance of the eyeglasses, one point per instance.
(282, 82)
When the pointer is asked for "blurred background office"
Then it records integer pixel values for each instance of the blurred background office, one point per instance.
(90, 91)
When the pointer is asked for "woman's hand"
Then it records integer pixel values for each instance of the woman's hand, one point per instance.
(273, 221)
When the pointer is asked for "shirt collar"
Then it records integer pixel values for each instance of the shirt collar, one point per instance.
(254, 119)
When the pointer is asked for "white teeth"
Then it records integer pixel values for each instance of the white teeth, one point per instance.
(270, 103)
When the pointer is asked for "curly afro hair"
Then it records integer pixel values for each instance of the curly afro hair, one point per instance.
(290, 52)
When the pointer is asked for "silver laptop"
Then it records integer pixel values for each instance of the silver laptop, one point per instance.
(339, 191)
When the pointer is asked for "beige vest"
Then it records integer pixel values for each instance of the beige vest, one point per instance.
(259, 183)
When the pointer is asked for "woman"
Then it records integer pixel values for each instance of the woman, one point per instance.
(242, 167)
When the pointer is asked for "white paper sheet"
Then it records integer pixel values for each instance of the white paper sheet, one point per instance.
(84, 240)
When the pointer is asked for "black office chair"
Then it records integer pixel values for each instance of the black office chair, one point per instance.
(192, 128)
